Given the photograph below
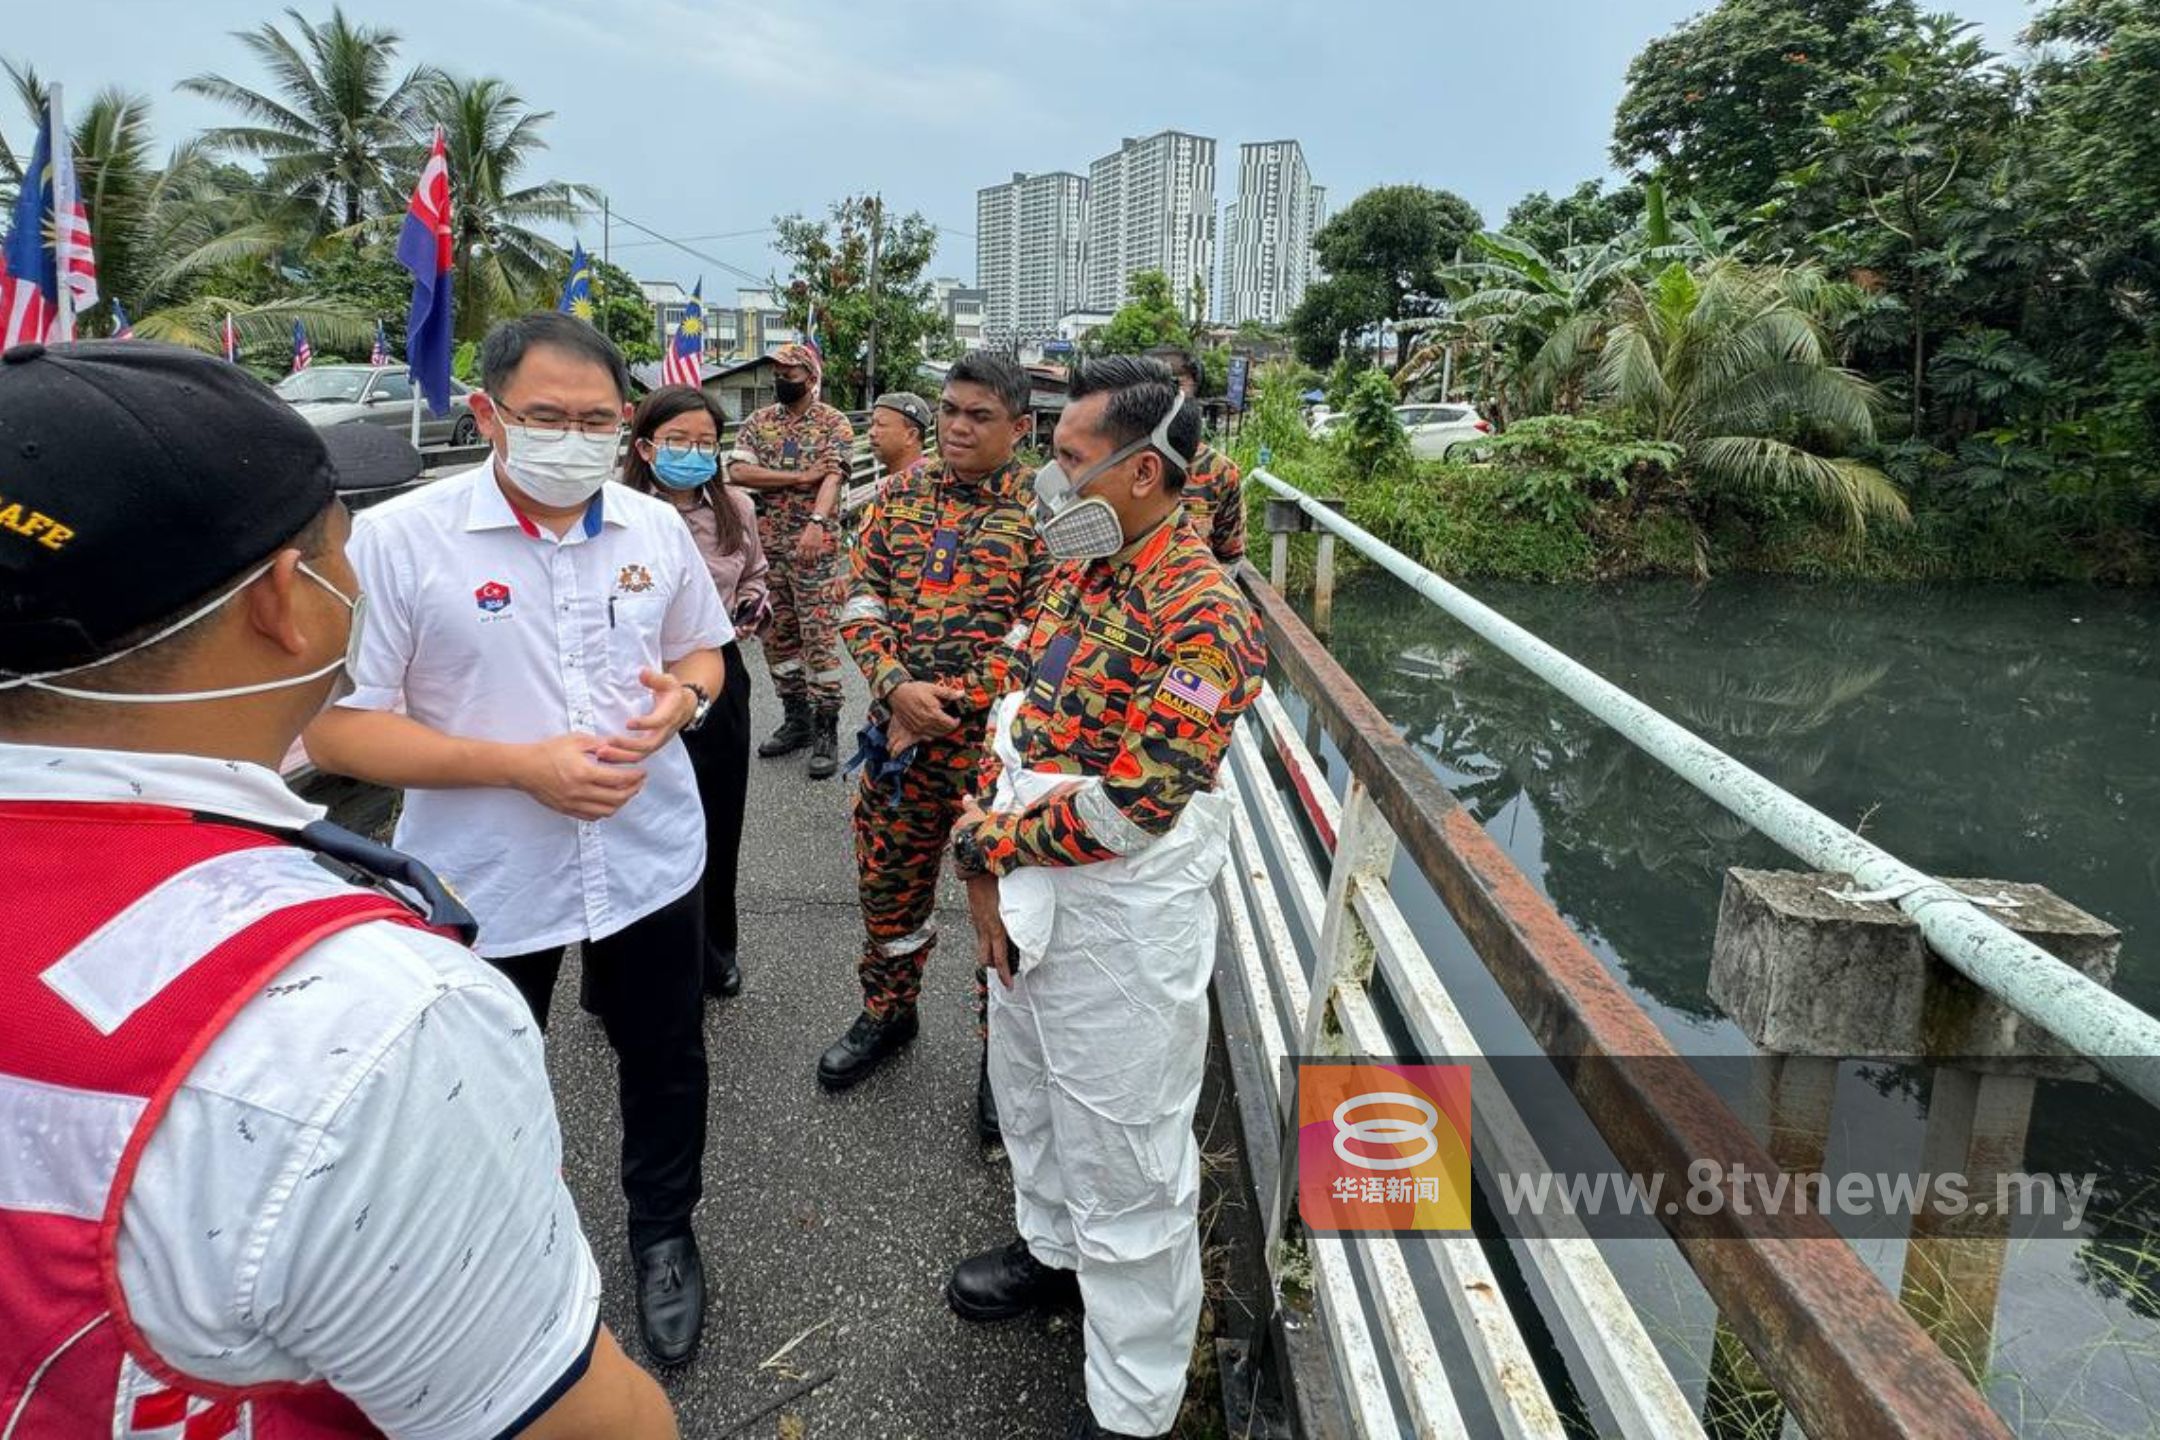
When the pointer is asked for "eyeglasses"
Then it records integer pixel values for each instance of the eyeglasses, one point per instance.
(548, 428)
(672, 446)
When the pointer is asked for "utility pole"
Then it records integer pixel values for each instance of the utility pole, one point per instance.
(606, 226)
(877, 225)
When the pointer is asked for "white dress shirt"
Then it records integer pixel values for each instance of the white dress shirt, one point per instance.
(360, 1180)
(485, 626)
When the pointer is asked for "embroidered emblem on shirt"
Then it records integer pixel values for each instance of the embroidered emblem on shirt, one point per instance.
(493, 597)
(634, 580)
(1190, 694)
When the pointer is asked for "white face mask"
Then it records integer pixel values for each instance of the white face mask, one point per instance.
(1074, 526)
(561, 469)
(352, 644)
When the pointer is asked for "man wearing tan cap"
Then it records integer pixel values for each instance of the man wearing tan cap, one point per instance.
(794, 456)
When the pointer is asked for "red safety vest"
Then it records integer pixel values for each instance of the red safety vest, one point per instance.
(135, 934)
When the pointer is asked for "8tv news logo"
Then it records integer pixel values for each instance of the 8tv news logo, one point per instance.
(1383, 1147)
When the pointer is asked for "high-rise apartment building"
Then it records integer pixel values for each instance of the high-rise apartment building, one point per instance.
(1031, 233)
(1267, 237)
(1151, 206)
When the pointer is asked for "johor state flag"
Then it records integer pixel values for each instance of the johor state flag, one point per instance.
(48, 271)
(684, 362)
(577, 290)
(303, 354)
(424, 248)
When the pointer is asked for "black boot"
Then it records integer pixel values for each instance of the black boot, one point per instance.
(794, 731)
(723, 973)
(824, 744)
(1006, 1284)
(1083, 1427)
(671, 1299)
(986, 1116)
(867, 1042)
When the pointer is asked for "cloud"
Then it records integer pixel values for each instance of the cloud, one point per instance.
(810, 55)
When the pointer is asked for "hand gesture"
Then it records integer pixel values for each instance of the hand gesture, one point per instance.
(813, 545)
(674, 706)
(566, 775)
(919, 713)
(993, 945)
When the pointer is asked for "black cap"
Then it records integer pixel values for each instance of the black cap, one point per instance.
(136, 477)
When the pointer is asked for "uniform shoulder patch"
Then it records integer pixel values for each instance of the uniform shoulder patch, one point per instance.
(1194, 685)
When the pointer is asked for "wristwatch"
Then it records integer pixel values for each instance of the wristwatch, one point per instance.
(704, 704)
(823, 521)
(967, 853)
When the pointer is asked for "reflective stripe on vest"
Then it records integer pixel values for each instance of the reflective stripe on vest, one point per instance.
(150, 929)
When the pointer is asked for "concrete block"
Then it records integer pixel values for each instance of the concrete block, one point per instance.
(1803, 972)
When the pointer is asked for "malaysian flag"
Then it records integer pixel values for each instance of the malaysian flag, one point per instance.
(577, 290)
(809, 330)
(232, 339)
(122, 327)
(48, 269)
(424, 248)
(380, 355)
(303, 354)
(685, 359)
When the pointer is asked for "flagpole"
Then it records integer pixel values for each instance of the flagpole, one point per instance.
(63, 327)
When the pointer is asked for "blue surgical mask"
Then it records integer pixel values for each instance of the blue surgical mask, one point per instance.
(683, 469)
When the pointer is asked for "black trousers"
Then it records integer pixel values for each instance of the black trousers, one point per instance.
(720, 754)
(648, 990)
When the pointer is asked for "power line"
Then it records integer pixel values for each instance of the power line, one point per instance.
(761, 281)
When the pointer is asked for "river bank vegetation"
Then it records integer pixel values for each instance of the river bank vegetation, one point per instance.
(1875, 302)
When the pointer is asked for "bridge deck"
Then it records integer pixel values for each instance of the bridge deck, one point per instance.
(836, 1212)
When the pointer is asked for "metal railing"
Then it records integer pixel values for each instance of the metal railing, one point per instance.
(1829, 1337)
(2085, 1015)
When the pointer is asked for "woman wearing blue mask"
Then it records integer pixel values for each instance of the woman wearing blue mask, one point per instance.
(675, 454)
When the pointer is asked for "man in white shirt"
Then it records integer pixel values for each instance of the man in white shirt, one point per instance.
(536, 639)
(313, 1132)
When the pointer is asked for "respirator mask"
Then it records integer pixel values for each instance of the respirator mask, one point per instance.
(1077, 526)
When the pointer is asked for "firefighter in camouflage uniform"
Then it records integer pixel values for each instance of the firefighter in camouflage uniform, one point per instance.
(794, 456)
(946, 571)
(1090, 866)
(1214, 489)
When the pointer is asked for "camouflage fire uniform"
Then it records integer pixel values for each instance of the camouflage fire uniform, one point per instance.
(1215, 499)
(946, 573)
(801, 641)
(1135, 670)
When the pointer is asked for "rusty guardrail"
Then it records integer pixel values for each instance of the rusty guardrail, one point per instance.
(1827, 1334)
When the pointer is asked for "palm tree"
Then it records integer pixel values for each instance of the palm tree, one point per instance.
(1543, 318)
(489, 137)
(1731, 363)
(333, 127)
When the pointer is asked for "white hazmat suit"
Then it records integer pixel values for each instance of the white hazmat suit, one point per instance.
(1096, 1055)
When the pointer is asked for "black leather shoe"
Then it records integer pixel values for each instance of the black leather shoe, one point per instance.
(723, 973)
(986, 1116)
(824, 746)
(867, 1042)
(1083, 1427)
(1006, 1284)
(671, 1299)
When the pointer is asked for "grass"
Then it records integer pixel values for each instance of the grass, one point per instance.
(1487, 522)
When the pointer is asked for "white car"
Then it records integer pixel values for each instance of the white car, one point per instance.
(1436, 428)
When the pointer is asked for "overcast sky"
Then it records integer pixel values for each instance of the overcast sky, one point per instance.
(709, 117)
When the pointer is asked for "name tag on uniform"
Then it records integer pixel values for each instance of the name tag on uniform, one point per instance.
(944, 556)
(910, 510)
(1119, 636)
(1006, 523)
(790, 453)
(1058, 603)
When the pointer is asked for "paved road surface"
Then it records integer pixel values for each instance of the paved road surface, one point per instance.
(844, 1212)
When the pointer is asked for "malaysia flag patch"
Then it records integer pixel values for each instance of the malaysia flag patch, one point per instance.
(1189, 693)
